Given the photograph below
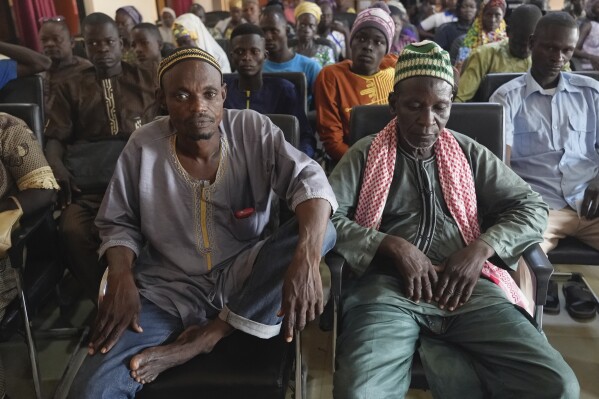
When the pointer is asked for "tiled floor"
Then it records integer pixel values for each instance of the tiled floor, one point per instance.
(578, 342)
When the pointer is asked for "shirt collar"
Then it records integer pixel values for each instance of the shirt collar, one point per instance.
(562, 85)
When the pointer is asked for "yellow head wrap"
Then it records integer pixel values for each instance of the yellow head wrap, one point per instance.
(307, 7)
(235, 4)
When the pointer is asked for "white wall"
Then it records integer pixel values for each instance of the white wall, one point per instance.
(147, 8)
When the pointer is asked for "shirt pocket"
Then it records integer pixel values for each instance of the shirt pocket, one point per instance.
(244, 229)
(528, 138)
(580, 139)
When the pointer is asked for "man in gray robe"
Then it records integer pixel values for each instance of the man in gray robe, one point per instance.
(181, 227)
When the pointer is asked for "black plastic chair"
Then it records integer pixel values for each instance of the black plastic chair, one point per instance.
(348, 18)
(493, 81)
(213, 17)
(29, 89)
(240, 366)
(484, 123)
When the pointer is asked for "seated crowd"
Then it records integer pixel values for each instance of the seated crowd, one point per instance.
(170, 116)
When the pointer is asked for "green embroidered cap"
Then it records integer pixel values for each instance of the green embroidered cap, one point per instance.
(424, 58)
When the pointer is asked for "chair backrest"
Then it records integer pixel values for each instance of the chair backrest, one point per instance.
(482, 122)
(29, 89)
(493, 81)
(289, 125)
(30, 114)
(297, 78)
(213, 17)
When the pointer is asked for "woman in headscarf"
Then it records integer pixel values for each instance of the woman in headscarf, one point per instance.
(167, 16)
(126, 18)
(307, 18)
(488, 27)
(190, 31)
(587, 47)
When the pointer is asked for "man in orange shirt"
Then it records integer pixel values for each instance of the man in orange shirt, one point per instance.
(365, 79)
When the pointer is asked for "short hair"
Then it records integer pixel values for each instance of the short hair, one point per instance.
(96, 19)
(246, 29)
(555, 19)
(152, 29)
(62, 24)
(525, 18)
(272, 11)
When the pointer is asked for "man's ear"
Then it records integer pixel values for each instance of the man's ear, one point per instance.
(161, 98)
(265, 54)
(224, 91)
(392, 99)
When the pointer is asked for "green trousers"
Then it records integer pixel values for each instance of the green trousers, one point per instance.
(492, 351)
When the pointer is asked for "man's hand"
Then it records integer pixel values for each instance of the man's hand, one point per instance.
(590, 202)
(67, 187)
(118, 310)
(302, 292)
(302, 287)
(415, 268)
(460, 273)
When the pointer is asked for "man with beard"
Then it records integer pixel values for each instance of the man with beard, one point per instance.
(57, 43)
(92, 116)
(181, 227)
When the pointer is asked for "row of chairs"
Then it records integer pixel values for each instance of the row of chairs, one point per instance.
(251, 367)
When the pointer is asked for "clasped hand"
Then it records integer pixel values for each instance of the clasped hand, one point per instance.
(450, 283)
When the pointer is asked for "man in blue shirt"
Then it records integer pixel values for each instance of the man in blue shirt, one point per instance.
(267, 95)
(280, 57)
(552, 132)
(22, 62)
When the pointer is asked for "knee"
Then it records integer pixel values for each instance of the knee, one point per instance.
(558, 382)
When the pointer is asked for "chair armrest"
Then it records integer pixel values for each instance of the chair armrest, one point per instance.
(27, 226)
(335, 263)
(542, 269)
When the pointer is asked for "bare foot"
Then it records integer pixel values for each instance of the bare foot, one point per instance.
(148, 364)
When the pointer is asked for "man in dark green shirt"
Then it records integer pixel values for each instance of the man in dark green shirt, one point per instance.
(411, 202)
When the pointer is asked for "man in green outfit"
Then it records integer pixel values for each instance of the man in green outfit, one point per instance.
(411, 202)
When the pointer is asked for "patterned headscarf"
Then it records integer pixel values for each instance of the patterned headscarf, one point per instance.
(374, 18)
(307, 7)
(133, 13)
(476, 36)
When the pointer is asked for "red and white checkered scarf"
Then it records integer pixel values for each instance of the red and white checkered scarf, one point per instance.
(457, 185)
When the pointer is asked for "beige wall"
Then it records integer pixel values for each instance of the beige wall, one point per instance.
(147, 8)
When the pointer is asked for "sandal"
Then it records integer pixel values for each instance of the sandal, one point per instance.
(552, 305)
(580, 303)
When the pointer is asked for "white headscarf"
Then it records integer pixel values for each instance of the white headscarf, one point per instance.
(203, 39)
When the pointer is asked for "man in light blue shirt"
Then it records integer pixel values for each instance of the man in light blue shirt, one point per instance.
(280, 57)
(552, 132)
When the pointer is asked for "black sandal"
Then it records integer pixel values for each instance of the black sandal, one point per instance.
(580, 302)
(552, 305)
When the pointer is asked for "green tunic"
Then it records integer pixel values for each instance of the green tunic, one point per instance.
(514, 216)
